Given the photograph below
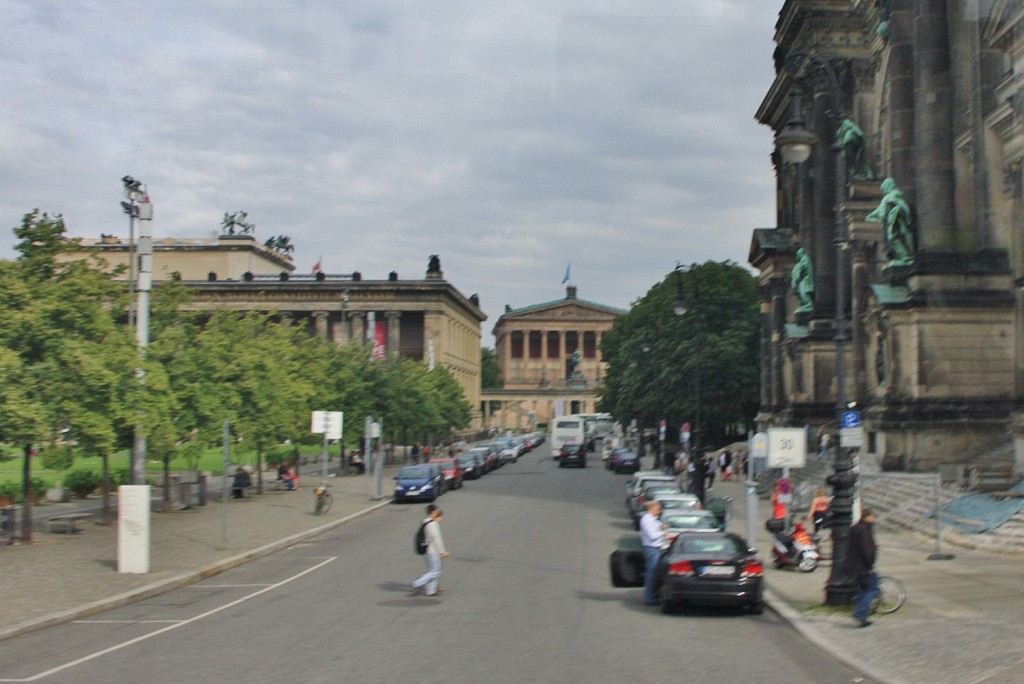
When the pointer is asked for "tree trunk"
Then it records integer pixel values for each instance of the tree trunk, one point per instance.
(259, 470)
(26, 496)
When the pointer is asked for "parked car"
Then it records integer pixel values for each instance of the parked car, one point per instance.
(683, 500)
(624, 461)
(711, 568)
(572, 453)
(452, 470)
(494, 449)
(472, 464)
(689, 520)
(641, 495)
(419, 482)
(509, 454)
(643, 477)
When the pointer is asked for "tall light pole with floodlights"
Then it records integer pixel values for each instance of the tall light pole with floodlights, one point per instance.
(795, 144)
(680, 307)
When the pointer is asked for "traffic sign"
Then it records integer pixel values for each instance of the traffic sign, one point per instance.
(787, 447)
(851, 437)
(851, 419)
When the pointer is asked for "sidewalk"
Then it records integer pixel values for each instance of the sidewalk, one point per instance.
(71, 576)
(961, 623)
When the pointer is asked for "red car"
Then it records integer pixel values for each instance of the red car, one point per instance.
(452, 471)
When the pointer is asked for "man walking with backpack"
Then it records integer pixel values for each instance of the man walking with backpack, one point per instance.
(430, 545)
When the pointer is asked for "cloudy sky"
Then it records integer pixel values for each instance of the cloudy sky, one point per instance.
(511, 137)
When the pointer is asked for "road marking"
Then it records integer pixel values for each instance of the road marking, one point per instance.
(123, 622)
(225, 586)
(197, 618)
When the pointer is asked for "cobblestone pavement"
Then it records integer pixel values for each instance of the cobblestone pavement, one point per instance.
(961, 624)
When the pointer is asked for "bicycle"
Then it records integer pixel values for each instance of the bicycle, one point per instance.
(891, 596)
(324, 499)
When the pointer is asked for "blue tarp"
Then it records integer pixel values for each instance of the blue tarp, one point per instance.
(988, 511)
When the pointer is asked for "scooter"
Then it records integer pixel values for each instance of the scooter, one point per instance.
(798, 549)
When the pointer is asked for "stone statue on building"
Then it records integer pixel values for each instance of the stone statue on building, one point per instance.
(434, 264)
(574, 365)
(852, 146)
(237, 220)
(894, 214)
(802, 280)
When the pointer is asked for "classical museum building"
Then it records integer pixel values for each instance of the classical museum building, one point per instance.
(893, 281)
(425, 319)
(550, 359)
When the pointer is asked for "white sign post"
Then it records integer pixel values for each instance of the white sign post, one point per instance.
(787, 447)
(133, 508)
(330, 423)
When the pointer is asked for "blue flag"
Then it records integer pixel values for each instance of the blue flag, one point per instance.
(565, 278)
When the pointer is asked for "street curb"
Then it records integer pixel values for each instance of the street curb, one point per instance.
(796, 620)
(178, 581)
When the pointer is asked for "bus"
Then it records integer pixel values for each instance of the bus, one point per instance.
(567, 429)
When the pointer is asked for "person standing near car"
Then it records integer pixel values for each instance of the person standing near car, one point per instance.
(653, 540)
(861, 554)
(427, 582)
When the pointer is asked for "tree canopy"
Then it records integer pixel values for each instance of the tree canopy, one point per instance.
(653, 361)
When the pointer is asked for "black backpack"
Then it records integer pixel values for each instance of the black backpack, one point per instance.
(421, 538)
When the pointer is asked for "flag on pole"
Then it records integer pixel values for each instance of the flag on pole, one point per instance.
(565, 278)
(316, 266)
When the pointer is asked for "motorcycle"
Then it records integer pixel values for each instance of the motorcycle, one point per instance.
(797, 549)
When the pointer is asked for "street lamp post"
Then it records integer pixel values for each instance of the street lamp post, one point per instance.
(680, 307)
(794, 144)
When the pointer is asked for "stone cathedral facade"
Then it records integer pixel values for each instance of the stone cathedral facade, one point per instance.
(911, 207)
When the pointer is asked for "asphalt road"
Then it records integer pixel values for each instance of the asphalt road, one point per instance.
(527, 599)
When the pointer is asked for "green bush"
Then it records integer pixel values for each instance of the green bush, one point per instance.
(120, 476)
(10, 490)
(39, 487)
(58, 458)
(82, 482)
(280, 454)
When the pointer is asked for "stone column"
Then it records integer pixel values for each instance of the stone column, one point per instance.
(286, 318)
(900, 77)
(933, 130)
(320, 319)
(358, 326)
(343, 331)
(394, 331)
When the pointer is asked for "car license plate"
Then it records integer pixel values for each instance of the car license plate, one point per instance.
(717, 571)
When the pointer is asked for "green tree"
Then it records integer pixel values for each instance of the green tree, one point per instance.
(69, 359)
(653, 360)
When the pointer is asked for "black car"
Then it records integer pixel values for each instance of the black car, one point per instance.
(472, 464)
(572, 454)
(711, 568)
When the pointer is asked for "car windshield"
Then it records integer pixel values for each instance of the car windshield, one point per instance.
(689, 521)
(417, 472)
(718, 546)
(679, 503)
(467, 461)
(655, 490)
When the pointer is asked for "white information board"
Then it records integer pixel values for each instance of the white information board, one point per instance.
(327, 423)
(133, 510)
(787, 447)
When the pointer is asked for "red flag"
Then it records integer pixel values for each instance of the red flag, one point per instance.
(316, 266)
(380, 341)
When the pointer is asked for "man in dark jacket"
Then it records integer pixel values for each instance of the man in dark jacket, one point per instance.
(861, 553)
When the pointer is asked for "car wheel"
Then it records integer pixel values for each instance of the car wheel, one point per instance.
(756, 608)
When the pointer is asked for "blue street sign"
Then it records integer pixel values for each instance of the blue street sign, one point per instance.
(851, 419)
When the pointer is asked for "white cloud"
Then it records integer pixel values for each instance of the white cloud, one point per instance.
(508, 137)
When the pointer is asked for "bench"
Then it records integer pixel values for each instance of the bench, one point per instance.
(69, 521)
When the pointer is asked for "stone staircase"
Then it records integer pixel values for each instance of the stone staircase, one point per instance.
(906, 502)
